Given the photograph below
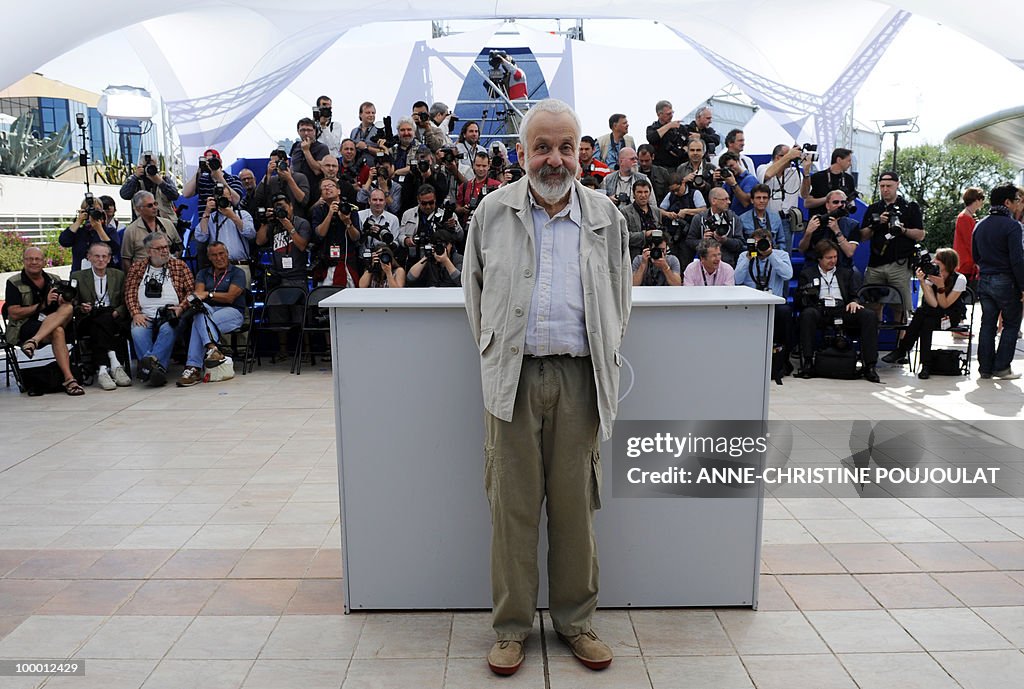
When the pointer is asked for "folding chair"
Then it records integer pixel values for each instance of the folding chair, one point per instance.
(282, 312)
(970, 300)
(890, 299)
(312, 322)
(248, 350)
(16, 362)
(10, 357)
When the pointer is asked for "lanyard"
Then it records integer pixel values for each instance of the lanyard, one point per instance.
(216, 284)
(100, 298)
(762, 280)
(828, 283)
(704, 275)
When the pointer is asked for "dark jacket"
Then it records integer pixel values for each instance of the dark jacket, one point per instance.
(849, 281)
(997, 247)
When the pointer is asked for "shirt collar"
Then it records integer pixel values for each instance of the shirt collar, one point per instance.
(573, 210)
(826, 274)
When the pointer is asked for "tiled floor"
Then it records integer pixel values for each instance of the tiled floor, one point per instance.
(179, 539)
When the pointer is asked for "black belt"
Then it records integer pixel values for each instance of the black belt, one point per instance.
(240, 262)
(556, 356)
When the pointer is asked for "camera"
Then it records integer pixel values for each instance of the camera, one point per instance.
(194, 304)
(809, 152)
(378, 232)
(724, 172)
(423, 165)
(218, 193)
(324, 112)
(150, 166)
(894, 224)
(652, 242)
(67, 289)
(622, 199)
(674, 143)
(923, 260)
(758, 246)
(720, 225)
(698, 180)
(280, 212)
(382, 172)
(154, 288)
(421, 117)
(165, 315)
(494, 58)
(282, 165)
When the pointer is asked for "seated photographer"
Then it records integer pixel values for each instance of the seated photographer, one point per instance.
(700, 127)
(281, 179)
(828, 295)
(208, 175)
(642, 218)
(329, 131)
(378, 225)
(419, 224)
(589, 165)
(767, 268)
(816, 187)
(367, 137)
(736, 180)
(146, 222)
(609, 145)
(840, 228)
(307, 152)
(350, 165)
(218, 306)
(89, 227)
(696, 171)
(156, 292)
(469, 145)
(472, 191)
(288, 237)
(383, 270)
(347, 189)
(708, 269)
(619, 184)
(719, 223)
(941, 307)
(894, 226)
(38, 308)
(424, 171)
(338, 238)
(655, 266)
(404, 150)
(680, 205)
(147, 177)
(382, 176)
(759, 217)
(102, 315)
(667, 136)
(658, 175)
(440, 264)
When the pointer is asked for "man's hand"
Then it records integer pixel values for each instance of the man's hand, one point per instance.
(51, 297)
(140, 320)
(334, 209)
(305, 144)
(140, 172)
(271, 167)
(645, 257)
(286, 175)
(853, 307)
(211, 206)
(662, 264)
(813, 224)
(360, 145)
(833, 224)
(86, 307)
(286, 223)
(450, 223)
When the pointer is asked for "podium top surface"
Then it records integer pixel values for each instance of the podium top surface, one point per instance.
(451, 297)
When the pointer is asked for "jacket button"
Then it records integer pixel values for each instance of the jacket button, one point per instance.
(527, 273)
(518, 311)
(514, 349)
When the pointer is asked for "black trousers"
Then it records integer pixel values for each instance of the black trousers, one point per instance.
(783, 331)
(863, 323)
(105, 334)
(926, 320)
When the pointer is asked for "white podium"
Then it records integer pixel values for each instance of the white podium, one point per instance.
(415, 523)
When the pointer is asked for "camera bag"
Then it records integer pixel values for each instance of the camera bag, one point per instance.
(947, 362)
(835, 363)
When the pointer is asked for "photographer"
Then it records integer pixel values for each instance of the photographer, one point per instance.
(433, 125)
(440, 264)
(114, 227)
(337, 239)
(38, 308)
(655, 266)
(619, 184)
(146, 223)
(894, 226)
(816, 187)
(307, 152)
(737, 181)
(609, 145)
(735, 141)
(642, 218)
(471, 192)
(381, 177)
(376, 222)
(767, 268)
(221, 223)
(668, 137)
(589, 165)
(658, 175)
(829, 298)
(469, 145)
(424, 171)
(89, 227)
(404, 151)
(448, 159)
(147, 177)
(384, 270)
(156, 292)
(708, 269)
(208, 175)
(700, 127)
(218, 305)
(420, 223)
(835, 225)
(680, 205)
(329, 131)
(782, 175)
(758, 217)
(102, 316)
(697, 173)
(249, 204)
(288, 237)
(941, 307)
(718, 223)
(367, 137)
(281, 179)
(330, 168)
(350, 165)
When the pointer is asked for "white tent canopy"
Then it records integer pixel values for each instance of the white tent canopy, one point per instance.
(219, 63)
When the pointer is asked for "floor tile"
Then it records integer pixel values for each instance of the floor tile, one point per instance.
(224, 638)
(800, 558)
(909, 530)
(171, 536)
(861, 631)
(827, 592)
(283, 563)
(784, 671)
(128, 564)
(134, 637)
(944, 557)
(842, 531)
(326, 564)
(408, 635)
(49, 636)
(891, 670)
(1008, 621)
(568, 673)
(473, 673)
(318, 597)
(710, 672)
(200, 564)
(251, 597)
(984, 669)
(771, 595)
(770, 633)
(100, 597)
(225, 536)
(56, 564)
(107, 674)
(198, 674)
(169, 597)
(24, 597)
(975, 529)
(860, 558)
(308, 674)
(982, 588)
(681, 632)
(1001, 555)
(382, 673)
(10, 559)
(314, 636)
(950, 629)
(918, 590)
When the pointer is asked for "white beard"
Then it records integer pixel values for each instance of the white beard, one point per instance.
(550, 190)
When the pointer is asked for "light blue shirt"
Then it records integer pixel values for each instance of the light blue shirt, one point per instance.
(220, 228)
(776, 271)
(557, 322)
(772, 221)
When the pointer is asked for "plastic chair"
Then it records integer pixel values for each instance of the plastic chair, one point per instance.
(311, 322)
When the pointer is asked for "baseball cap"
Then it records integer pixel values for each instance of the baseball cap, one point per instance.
(889, 176)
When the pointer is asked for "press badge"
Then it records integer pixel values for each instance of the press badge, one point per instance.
(945, 324)
(838, 321)
(889, 236)
(830, 302)
(286, 262)
(335, 251)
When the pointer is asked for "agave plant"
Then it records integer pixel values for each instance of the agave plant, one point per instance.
(23, 154)
(114, 170)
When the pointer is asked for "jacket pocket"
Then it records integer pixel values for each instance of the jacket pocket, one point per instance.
(617, 358)
(595, 479)
(486, 337)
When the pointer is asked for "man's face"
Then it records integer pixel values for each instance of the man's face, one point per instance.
(627, 161)
(737, 145)
(427, 204)
(719, 202)
(642, 195)
(472, 134)
(248, 180)
(367, 114)
(713, 258)
(551, 155)
(665, 115)
(695, 151)
(416, 117)
(218, 256)
(735, 167)
(439, 117)
(835, 202)
(621, 127)
(285, 205)
(481, 166)
(324, 103)
(329, 165)
(159, 252)
(377, 201)
(33, 261)
(329, 191)
(889, 189)
(703, 119)
(110, 210)
(148, 209)
(348, 151)
(99, 257)
(306, 131)
(783, 152)
(406, 133)
(828, 261)
(845, 163)
(760, 201)
(586, 153)
(645, 159)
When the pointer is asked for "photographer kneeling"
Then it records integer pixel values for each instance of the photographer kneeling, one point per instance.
(654, 266)
(383, 270)
(829, 295)
(942, 308)
(102, 315)
(218, 304)
(440, 265)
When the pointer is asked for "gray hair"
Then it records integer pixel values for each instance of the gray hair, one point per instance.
(551, 106)
(438, 108)
(720, 193)
(661, 105)
(140, 198)
(405, 120)
(701, 110)
(832, 193)
(153, 236)
(705, 245)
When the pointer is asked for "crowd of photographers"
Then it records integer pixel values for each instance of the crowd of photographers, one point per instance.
(388, 206)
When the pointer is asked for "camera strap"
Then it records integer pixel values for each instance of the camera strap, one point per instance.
(762, 280)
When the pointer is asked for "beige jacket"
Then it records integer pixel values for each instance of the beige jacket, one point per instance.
(498, 280)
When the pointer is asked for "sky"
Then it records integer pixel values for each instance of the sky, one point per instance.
(934, 73)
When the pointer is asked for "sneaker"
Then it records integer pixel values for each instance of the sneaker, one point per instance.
(121, 377)
(189, 377)
(146, 366)
(157, 374)
(589, 650)
(505, 657)
(214, 357)
(1006, 374)
(105, 381)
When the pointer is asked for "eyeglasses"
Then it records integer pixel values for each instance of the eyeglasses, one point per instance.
(160, 248)
(152, 204)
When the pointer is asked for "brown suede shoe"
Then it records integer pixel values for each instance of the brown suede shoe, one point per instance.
(589, 650)
(505, 657)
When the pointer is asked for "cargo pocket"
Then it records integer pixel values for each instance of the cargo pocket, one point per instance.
(595, 479)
